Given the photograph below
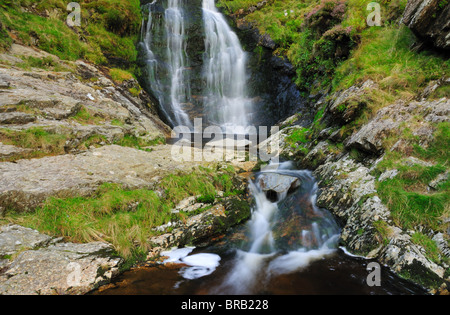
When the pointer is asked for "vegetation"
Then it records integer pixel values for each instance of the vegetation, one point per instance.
(330, 44)
(40, 141)
(123, 217)
(107, 35)
(411, 201)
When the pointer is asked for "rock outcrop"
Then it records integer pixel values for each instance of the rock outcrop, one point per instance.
(75, 99)
(33, 263)
(430, 21)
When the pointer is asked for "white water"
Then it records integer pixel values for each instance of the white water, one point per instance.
(226, 101)
(262, 259)
(176, 62)
(200, 265)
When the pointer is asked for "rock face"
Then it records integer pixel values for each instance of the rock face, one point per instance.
(430, 21)
(32, 263)
(387, 121)
(351, 196)
(202, 228)
(80, 101)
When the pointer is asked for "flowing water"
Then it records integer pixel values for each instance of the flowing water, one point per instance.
(289, 246)
(169, 74)
(226, 100)
(167, 71)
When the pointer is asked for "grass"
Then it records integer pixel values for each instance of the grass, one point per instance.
(120, 75)
(115, 215)
(132, 141)
(108, 33)
(407, 195)
(125, 218)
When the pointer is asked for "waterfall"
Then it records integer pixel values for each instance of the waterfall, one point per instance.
(220, 84)
(224, 68)
(283, 236)
(167, 68)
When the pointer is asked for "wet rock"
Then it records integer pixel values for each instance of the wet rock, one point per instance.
(430, 21)
(277, 183)
(203, 228)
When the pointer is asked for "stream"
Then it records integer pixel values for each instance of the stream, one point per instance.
(289, 246)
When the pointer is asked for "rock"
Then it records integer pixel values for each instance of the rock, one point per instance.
(24, 185)
(371, 136)
(4, 85)
(348, 190)
(8, 151)
(203, 227)
(62, 268)
(16, 118)
(389, 174)
(276, 183)
(349, 103)
(14, 238)
(41, 98)
(430, 21)
(440, 179)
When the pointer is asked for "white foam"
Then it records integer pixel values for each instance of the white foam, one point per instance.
(200, 264)
(177, 254)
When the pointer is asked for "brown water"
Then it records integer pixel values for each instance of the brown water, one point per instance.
(337, 273)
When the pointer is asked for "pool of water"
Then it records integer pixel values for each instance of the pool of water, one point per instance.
(337, 273)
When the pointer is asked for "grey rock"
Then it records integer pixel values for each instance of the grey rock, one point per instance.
(7, 151)
(14, 238)
(278, 183)
(429, 20)
(370, 137)
(348, 104)
(62, 268)
(16, 118)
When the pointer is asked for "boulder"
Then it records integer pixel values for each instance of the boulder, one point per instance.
(430, 21)
(39, 264)
(274, 184)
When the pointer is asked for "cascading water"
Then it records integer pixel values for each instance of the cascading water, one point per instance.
(171, 63)
(226, 102)
(170, 77)
(283, 235)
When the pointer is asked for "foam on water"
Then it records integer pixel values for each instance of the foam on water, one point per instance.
(200, 265)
